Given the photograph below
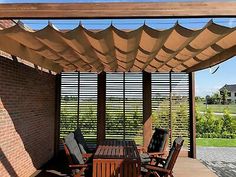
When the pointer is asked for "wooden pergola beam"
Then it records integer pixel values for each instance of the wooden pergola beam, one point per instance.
(192, 118)
(117, 10)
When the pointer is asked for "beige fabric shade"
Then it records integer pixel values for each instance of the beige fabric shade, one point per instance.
(145, 49)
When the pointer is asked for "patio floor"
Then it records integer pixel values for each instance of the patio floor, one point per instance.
(185, 167)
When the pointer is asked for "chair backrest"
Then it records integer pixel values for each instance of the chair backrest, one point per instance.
(159, 140)
(79, 137)
(174, 153)
(72, 150)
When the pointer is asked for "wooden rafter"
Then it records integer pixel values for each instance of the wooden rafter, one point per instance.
(117, 10)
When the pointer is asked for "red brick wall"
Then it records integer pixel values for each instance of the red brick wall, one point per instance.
(27, 113)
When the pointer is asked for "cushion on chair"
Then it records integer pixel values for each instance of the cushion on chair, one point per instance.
(81, 141)
(145, 158)
(74, 149)
(178, 141)
(158, 140)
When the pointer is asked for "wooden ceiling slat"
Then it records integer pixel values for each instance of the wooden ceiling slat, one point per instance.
(118, 10)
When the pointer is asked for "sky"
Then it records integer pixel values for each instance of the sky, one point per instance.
(206, 82)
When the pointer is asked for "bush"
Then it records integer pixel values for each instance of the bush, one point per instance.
(208, 126)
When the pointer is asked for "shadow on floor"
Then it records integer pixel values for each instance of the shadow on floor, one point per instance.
(55, 167)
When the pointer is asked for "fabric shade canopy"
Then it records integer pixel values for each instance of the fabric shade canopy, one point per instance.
(176, 49)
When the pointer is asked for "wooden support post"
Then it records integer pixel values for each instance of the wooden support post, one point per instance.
(192, 121)
(147, 108)
(78, 103)
(101, 109)
(57, 113)
(170, 111)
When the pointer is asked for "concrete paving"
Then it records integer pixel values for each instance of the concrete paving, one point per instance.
(220, 160)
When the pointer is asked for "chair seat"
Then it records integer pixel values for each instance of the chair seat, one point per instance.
(166, 168)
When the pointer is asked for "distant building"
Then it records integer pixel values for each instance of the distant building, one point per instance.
(231, 92)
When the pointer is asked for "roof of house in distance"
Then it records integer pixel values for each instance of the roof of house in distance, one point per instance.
(231, 88)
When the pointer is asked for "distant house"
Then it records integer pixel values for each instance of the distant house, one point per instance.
(231, 92)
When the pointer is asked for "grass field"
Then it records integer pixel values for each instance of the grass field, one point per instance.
(216, 142)
(217, 108)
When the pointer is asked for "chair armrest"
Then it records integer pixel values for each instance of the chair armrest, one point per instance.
(141, 149)
(155, 154)
(87, 155)
(80, 165)
(155, 168)
(160, 160)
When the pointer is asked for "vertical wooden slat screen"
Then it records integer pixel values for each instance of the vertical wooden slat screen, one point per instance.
(114, 106)
(79, 104)
(170, 104)
(69, 103)
(124, 106)
(88, 106)
(134, 107)
(180, 107)
(160, 100)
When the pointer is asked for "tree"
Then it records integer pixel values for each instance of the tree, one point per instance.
(209, 126)
(224, 95)
(216, 98)
(227, 120)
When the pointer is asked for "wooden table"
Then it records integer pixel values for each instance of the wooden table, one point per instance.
(116, 158)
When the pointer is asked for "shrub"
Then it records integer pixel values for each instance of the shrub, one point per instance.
(227, 125)
(209, 126)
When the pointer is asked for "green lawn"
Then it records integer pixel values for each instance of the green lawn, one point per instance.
(217, 108)
(216, 142)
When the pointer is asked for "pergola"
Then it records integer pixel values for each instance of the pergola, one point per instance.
(145, 50)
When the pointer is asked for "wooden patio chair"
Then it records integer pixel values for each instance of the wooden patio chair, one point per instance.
(157, 146)
(164, 167)
(77, 163)
(79, 137)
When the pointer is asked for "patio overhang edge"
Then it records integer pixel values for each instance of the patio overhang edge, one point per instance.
(117, 10)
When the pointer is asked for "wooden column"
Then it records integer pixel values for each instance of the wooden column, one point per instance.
(147, 109)
(101, 109)
(192, 121)
(170, 112)
(78, 98)
(57, 113)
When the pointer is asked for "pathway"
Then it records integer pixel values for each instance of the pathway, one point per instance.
(219, 113)
(221, 160)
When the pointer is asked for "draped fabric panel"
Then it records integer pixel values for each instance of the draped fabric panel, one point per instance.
(113, 50)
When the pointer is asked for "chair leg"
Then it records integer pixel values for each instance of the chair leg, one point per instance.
(80, 173)
(147, 174)
(152, 173)
(156, 174)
